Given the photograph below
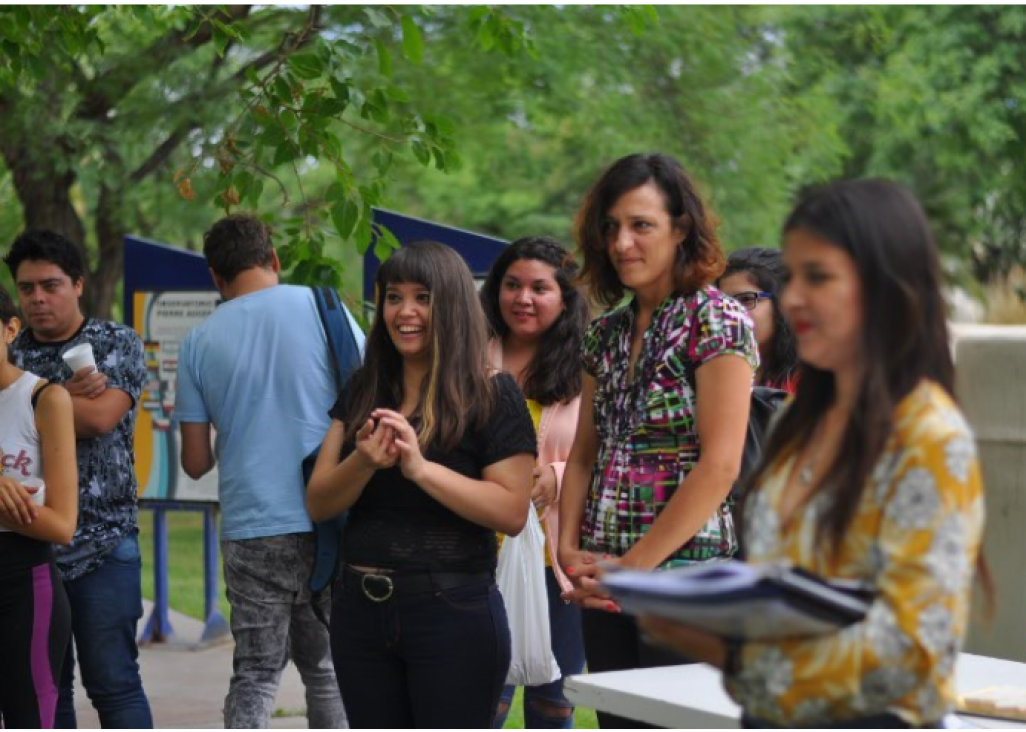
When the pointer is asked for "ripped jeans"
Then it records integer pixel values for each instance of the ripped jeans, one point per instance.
(272, 618)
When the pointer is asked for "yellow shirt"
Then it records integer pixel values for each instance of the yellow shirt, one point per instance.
(536, 414)
(915, 537)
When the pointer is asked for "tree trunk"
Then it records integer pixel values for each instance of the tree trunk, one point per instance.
(45, 197)
(46, 200)
(110, 236)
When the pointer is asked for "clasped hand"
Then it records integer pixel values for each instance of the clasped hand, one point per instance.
(376, 444)
(585, 574)
(387, 439)
(16, 506)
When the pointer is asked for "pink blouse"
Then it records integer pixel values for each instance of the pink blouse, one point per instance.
(555, 438)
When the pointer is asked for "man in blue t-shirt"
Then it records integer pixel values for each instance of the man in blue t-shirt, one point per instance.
(102, 568)
(258, 372)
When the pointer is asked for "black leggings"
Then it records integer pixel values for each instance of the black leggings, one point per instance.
(35, 627)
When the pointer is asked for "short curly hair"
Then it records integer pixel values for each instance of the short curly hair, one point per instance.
(700, 258)
(41, 245)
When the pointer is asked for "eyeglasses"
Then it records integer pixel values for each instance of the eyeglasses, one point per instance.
(749, 300)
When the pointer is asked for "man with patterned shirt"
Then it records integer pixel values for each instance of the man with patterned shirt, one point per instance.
(102, 566)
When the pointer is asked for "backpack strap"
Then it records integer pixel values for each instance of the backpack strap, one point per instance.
(344, 353)
(35, 395)
(343, 349)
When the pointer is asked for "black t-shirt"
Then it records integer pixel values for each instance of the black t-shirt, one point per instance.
(396, 525)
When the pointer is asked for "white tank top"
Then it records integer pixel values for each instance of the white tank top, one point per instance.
(19, 440)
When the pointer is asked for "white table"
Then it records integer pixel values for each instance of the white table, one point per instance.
(693, 697)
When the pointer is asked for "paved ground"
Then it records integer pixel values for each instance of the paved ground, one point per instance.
(186, 687)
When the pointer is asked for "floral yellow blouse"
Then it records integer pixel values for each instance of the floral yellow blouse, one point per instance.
(915, 538)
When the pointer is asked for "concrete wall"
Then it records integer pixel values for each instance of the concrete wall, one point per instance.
(991, 386)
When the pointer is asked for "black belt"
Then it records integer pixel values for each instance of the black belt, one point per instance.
(381, 587)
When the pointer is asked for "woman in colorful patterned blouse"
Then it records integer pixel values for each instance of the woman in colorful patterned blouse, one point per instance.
(870, 475)
(667, 372)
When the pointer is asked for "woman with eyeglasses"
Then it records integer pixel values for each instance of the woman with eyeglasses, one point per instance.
(754, 277)
(664, 409)
(871, 475)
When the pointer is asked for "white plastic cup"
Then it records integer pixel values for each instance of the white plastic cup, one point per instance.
(79, 357)
(39, 497)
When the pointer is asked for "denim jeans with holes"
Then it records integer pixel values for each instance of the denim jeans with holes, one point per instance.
(273, 618)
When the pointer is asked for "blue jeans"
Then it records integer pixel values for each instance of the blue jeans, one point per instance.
(568, 648)
(106, 605)
(436, 660)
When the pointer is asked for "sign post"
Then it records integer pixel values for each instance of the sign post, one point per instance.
(169, 291)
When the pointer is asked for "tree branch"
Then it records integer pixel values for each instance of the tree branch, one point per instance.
(101, 94)
(164, 151)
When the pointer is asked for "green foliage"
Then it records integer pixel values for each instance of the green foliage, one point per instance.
(936, 98)
(32, 37)
(301, 112)
(535, 132)
(497, 118)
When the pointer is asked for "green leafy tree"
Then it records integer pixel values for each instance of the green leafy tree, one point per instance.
(701, 83)
(933, 96)
(226, 102)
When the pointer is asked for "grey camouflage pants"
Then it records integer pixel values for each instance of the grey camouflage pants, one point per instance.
(271, 619)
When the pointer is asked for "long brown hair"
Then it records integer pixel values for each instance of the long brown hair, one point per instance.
(457, 393)
(700, 258)
(904, 338)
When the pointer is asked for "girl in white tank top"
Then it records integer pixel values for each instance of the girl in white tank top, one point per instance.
(19, 437)
(37, 449)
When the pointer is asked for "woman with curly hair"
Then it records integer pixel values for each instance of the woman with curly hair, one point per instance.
(537, 318)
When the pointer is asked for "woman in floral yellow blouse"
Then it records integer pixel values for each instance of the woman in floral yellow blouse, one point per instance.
(871, 474)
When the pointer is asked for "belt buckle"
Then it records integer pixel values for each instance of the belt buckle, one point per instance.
(384, 578)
